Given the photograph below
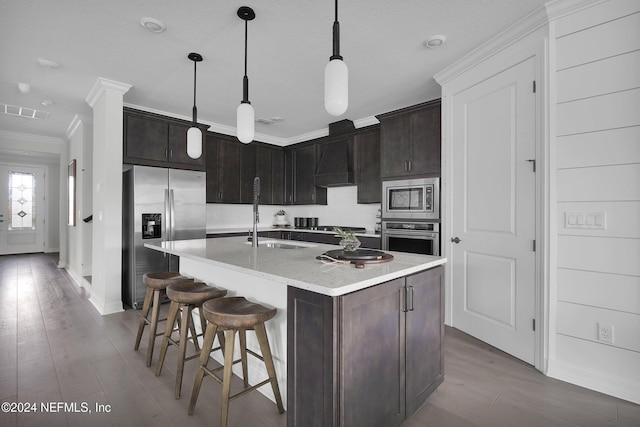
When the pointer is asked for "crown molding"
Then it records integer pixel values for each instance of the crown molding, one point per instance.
(535, 20)
(103, 85)
(515, 32)
(31, 138)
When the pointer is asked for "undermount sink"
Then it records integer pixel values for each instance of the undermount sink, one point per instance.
(281, 244)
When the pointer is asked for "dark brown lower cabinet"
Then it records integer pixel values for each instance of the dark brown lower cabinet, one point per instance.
(369, 358)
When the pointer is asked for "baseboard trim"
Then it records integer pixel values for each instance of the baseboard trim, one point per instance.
(616, 387)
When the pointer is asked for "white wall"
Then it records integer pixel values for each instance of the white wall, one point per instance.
(597, 143)
(341, 209)
(75, 238)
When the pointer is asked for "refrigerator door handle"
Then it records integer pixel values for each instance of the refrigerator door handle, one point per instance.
(165, 234)
(172, 215)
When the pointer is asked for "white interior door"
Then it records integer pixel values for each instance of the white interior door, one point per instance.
(22, 209)
(493, 210)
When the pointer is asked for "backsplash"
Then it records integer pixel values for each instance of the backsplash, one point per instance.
(341, 209)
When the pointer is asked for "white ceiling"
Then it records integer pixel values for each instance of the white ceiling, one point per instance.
(289, 46)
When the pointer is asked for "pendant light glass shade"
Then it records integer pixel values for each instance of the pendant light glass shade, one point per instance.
(245, 123)
(194, 134)
(194, 142)
(336, 87)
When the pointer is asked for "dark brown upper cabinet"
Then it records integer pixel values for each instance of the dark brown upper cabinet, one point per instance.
(367, 149)
(153, 140)
(411, 141)
(303, 168)
(270, 170)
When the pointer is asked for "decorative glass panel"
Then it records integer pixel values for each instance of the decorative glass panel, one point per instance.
(22, 204)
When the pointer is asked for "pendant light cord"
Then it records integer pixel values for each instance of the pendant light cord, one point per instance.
(245, 80)
(336, 36)
(195, 109)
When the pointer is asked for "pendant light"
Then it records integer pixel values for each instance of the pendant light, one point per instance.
(336, 77)
(194, 134)
(246, 115)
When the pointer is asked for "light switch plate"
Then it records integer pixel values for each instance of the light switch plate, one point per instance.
(586, 220)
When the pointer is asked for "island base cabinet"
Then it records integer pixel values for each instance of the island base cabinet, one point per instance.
(368, 358)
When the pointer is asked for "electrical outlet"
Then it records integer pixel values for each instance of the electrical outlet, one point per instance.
(605, 333)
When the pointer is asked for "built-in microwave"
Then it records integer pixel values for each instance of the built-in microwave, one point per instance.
(415, 199)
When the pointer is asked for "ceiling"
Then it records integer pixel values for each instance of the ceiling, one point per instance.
(289, 44)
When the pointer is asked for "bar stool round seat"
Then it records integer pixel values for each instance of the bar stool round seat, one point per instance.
(185, 296)
(235, 315)
(194, 293)
(156, 283)
(162, 279)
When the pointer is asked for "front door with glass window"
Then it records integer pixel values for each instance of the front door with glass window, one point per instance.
(21, 209)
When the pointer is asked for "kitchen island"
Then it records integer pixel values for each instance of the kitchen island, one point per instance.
(351, 346)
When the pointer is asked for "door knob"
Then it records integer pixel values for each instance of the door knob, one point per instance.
(455, 239)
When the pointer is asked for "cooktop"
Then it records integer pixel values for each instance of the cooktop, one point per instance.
(345, 228)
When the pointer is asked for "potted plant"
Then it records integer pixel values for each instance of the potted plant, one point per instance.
(349, 241)
(281, 217)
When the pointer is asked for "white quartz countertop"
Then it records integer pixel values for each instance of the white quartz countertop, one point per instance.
(296, 267)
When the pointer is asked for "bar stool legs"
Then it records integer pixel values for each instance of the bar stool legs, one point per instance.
(151, 302)
(229, 343)
(184, 298)
(261, 332)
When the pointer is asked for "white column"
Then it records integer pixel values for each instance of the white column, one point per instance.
(106, 99)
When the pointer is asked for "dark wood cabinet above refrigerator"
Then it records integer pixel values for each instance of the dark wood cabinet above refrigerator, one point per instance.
(153, 140)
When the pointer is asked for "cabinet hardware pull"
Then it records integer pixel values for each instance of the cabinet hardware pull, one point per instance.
(410, 165)
(456, 239)
(403, 299)
(410, 289)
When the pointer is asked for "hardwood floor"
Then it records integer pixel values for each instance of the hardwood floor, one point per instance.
(56, 348)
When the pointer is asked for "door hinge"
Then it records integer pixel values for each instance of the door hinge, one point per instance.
(534, 324)
(534, 245)
(534, 86)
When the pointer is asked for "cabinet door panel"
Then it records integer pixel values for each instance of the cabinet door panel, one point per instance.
(278, 183)
(146, 138)
(229, 171)
(367, 147)
(424, 337)
(211, 167)
(372, 357)
(425, 135)
(248, 172)
(304, 167)
(178, 146)
(396, 146)
(264, 172)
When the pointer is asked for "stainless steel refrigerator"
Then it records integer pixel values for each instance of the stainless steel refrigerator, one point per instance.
(158, 205)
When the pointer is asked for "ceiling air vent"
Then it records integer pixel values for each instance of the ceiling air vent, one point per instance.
(28, 113)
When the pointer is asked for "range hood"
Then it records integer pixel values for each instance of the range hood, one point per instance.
(336, 158)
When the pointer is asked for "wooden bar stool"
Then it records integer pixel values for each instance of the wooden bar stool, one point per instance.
(156, 284)
(235, 314)
(184, 298)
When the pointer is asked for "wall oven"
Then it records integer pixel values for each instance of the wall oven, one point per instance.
(411, 199)
(414, 237)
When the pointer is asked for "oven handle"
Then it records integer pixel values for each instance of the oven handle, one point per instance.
(424, 236)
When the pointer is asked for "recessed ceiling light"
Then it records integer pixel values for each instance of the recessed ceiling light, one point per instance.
(48, 63)
(24, 87)
(153, 25)
(435, 41)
